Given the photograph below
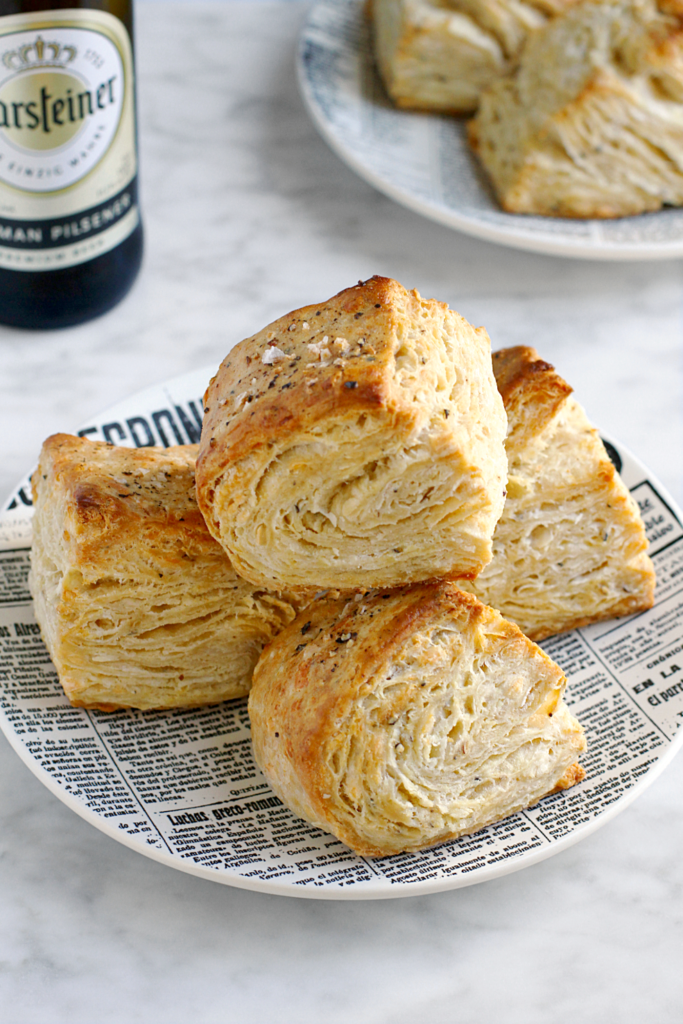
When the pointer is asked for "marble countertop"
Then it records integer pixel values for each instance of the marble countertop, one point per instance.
(248, 214)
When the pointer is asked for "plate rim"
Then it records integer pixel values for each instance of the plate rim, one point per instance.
(509, 238)
(400, 890)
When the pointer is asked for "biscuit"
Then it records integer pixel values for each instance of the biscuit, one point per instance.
(591, 122)
(356, 443)
(570, 547)
(441, 55)
(396, 720)
(137, 603)
(434, 58)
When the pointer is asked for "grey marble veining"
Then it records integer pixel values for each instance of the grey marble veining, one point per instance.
(248, 214)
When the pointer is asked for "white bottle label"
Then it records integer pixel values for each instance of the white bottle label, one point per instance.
(67, 138)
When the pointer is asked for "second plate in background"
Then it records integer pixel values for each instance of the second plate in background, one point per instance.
(423, 161)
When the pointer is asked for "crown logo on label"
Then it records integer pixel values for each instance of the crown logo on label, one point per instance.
(39, 54)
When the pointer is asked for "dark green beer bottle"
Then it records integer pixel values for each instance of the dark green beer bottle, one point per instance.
(70, 229)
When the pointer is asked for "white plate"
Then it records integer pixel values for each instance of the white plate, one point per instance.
(423, 160)
(182, 788)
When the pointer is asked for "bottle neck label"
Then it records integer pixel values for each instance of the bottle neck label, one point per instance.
(68, 158)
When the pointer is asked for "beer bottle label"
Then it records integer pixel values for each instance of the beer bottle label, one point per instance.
(68, 163)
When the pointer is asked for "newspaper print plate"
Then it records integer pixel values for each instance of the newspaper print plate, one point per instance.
(182, 787)
(423, 160)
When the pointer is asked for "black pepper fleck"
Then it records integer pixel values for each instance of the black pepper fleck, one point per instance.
(345, 637)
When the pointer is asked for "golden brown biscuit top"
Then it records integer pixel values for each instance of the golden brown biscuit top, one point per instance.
(531, 390)
(343, 355)
(306, 364)
(335, 644)
(116, 502)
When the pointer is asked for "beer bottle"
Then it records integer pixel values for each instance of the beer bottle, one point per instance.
(70, 230)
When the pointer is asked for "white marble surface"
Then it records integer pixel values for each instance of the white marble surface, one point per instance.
(248, 214)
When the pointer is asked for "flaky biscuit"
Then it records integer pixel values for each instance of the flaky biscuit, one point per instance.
(138, 604)
(441, 55)
(434, 58)
(570, 547)
(591, 122)
(397, 720)
(356, 443)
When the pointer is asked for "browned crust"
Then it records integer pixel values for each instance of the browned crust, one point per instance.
(78, 458)
(672, 7)
(280, 393)
(573, 775)
(321, 664)
(314, 641)
(109, 502)
(416, 107)
(472, 129)
(249, 404)
(108, 708)
(531, 389)
(628, 606)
